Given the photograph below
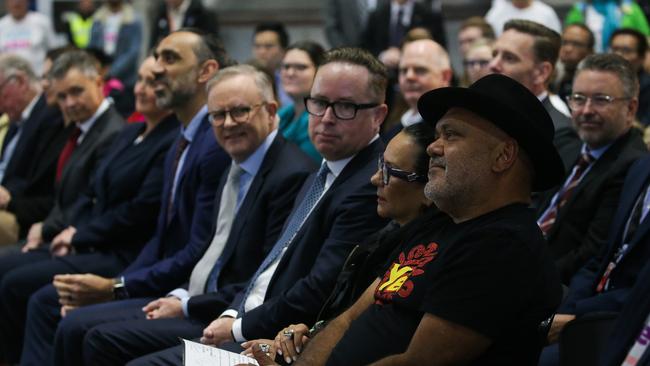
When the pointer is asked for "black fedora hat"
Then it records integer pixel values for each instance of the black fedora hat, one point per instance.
(511, 107)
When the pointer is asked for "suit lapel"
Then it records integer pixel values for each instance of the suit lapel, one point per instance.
(192, 152)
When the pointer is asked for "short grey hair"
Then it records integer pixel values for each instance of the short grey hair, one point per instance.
(615, 64)
(80, 60)
(262, 81)
(12, 65)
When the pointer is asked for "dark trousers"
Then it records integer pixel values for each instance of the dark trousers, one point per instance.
(119, 342)
(22, 274)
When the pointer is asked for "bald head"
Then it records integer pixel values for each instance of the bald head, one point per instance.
(424, 66)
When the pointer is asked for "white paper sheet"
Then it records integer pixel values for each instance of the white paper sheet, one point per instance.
(197, 354)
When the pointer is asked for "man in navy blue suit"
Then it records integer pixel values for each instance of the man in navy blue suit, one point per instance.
(335, 209)
(629, 339)
(265, 176)
(604, 284)
(185, 61)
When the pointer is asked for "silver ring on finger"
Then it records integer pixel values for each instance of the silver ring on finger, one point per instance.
(288, 333)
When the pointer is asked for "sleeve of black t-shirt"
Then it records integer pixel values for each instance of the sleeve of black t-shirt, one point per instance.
(484, 281)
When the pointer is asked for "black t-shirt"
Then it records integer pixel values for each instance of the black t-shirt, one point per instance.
(491, 274)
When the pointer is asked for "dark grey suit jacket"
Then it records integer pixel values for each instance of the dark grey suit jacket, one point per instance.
(566, 139)
(79, 170)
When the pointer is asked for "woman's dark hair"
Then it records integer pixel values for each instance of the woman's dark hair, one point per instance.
(314, 50)
(423, 135)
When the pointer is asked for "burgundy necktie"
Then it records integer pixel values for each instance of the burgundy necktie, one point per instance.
(67, 151)
(548, 219)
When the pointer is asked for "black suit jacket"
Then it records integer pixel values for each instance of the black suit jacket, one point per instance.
(31, 172)
(307, 272)
(80, 168)
(583, 298)
(580, 230)
(118, 211)
(267, 204)
(196, 16)
(376, 36)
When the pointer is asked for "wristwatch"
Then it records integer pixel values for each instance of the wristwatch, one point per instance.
(119, 290)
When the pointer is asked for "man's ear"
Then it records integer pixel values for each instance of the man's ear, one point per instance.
(505, 155)
(207, 70)
(542, 72)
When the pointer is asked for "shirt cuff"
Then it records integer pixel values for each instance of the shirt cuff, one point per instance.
(179, 292)
(184, 301)
(237, 332)
(232, 313)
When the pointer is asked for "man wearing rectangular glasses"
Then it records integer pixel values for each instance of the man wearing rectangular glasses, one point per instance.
(577, 219)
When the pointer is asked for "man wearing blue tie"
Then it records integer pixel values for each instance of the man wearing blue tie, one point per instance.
(251, 205)
(335, 209)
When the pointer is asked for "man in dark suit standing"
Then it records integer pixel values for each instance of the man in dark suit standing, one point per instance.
(23, 101)
(79, 93)
(391, 20)
(335, 209)
(185, 61)
(172, 15)
(527, 52)
(264, 179)
(575, 219)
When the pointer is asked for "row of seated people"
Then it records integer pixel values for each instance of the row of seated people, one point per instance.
(253, 289)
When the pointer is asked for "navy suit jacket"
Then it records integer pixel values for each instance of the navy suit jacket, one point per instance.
(259, 221)
(169, 256)
(582, 296)
(118, 212)
(629, 324)
(30, 174)
(307, 272)
(80, 168)
(581, 229)
(23, 155)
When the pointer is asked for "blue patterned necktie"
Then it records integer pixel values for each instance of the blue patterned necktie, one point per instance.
(295, 223)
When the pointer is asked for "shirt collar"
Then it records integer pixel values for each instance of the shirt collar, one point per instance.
(28, 110)
(252, 164)
(336, 167)
(87, 124)
(182, 9)
(189, 131)
(595, 153)
(408, 10)
(542, 95)
(410, 117)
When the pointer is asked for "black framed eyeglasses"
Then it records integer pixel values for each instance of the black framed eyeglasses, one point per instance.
(387, 171)
(342, 110)
(238, 114)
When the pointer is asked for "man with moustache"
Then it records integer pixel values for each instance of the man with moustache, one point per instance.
(451, 289)
(185, 61)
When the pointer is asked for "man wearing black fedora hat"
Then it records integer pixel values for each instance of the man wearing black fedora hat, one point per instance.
(472, 288)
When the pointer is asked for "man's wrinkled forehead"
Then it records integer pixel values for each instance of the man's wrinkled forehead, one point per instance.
(464, 118)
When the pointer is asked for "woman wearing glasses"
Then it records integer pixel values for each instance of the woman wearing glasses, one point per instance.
(400, 179)
(297, 74)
